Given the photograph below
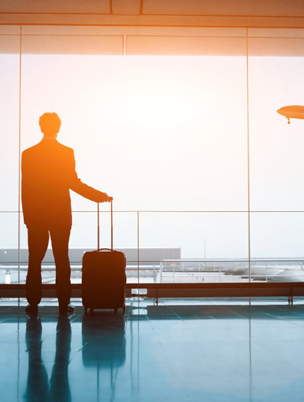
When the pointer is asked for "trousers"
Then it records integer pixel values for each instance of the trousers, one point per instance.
(38, 240)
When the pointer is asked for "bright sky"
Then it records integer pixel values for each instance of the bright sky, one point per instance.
(167, 133)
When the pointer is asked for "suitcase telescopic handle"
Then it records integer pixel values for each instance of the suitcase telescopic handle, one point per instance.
(112, 224)
(98, 227)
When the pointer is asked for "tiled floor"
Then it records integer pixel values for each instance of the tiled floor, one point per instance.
(177, 351)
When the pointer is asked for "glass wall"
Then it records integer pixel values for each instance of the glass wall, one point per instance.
(9, 149)
(276, 63)
(161, 124)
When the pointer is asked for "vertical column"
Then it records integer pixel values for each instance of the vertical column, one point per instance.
(137, 246)
(248, 155)
(98, 228)
(19, 155)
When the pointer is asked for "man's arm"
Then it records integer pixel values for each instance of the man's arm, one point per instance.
(83, 189)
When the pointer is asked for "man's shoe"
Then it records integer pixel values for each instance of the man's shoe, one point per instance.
(31, 309)
(66, 309)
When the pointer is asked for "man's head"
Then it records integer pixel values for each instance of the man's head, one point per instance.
(50, 124)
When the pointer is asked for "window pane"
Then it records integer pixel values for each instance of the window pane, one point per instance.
(278, 237)
(9, 121)
(154, 132)
(218, 238)
(9, 248)
(84, 238)
(276, 80)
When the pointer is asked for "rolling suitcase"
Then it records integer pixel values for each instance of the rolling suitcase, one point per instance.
(104, 276)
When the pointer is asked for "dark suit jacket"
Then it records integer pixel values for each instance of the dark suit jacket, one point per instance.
(48, 174)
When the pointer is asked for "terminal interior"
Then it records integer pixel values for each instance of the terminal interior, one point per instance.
(171, 107)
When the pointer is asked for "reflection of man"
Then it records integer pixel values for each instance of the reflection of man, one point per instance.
(48, 174)
(38, 388)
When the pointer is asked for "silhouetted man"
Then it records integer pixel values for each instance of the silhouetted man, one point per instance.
(48, 174)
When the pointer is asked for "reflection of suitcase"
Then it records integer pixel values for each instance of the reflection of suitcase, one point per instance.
(104, 277)
(103, 340)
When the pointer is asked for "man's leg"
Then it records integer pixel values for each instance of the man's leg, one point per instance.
(60, 242)
(38, 239)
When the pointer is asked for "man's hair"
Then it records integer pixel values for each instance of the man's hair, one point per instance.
(50, 124)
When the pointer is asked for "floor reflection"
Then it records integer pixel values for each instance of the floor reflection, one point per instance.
(103, 350)
(104, 344)
(39, 388)
(181, 352)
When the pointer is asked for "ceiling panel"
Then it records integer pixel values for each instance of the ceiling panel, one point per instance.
(155, 13)
(9, 44)
(275, 33)
(225, 7)
(188, 31)
(107, 45)
(161, 45)
(281, 47)
(55, 6)
(9, 29)
(125, 21)
(121, 30)
(126, 6)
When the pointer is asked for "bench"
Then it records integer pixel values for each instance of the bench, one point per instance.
(180, 290)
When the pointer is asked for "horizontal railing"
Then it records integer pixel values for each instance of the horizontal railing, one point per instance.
(177, 270)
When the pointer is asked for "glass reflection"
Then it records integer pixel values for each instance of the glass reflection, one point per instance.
(38, 387)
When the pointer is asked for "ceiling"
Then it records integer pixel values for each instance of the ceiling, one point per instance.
(182, 13)
(153, 27)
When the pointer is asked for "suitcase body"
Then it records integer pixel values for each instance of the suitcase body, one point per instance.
(103, 279)
(104, 276)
